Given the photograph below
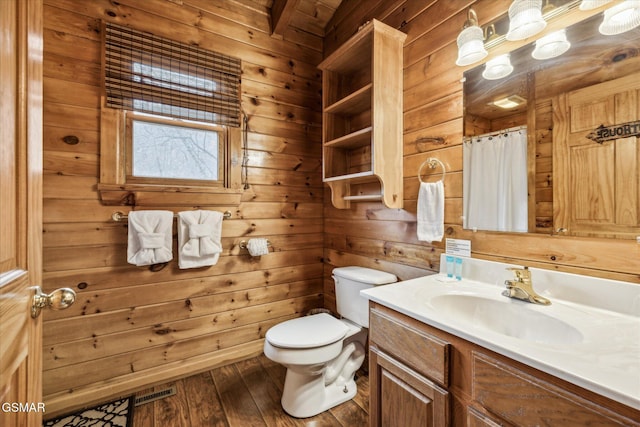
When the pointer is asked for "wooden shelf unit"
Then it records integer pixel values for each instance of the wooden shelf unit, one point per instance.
(362, 117)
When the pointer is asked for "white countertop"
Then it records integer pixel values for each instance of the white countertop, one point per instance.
(601, 352)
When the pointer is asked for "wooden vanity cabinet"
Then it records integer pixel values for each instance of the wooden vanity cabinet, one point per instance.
(422, 376)
(408, 374)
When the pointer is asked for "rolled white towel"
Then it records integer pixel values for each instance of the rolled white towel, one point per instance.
(150, 237)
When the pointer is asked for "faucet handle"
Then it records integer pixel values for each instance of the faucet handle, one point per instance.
(522, 274)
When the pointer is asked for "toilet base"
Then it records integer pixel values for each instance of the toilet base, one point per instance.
(305, 395)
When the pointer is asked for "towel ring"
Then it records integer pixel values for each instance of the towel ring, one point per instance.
(432, 163)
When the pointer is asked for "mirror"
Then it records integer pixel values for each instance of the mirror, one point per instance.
(543, 88)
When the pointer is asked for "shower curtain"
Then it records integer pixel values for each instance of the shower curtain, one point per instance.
(495, 182)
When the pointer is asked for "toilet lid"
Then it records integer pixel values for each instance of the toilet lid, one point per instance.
(307, 332)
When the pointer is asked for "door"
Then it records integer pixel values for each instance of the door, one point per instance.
(20, 211)
(596, 182)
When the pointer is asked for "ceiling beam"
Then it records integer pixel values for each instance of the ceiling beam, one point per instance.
(281, 13)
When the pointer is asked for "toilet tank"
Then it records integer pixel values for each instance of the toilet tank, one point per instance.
(349, 282)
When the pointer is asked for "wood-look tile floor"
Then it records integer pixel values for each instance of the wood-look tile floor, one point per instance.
(245, 394)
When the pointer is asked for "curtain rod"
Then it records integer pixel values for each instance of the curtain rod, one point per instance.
(495, 133)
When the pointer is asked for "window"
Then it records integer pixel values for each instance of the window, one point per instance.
(170, 118)
(162, 150)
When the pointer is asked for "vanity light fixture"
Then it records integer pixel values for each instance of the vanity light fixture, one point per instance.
(621, 18)
(498, 68)
(592, 4)
(551, 45)
(471, 41)
(525, 19)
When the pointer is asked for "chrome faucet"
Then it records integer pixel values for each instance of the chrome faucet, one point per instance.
(522, 287)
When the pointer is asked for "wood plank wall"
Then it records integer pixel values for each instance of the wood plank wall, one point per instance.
(131, 327)
(371, 235)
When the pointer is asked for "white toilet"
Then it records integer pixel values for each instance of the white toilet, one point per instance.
(322, 353)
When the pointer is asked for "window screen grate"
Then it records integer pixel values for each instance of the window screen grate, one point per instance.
(152, 74)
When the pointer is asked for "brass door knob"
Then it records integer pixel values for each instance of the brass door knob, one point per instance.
(57, 300)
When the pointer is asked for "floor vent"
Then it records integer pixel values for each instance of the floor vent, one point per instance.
(155, 395)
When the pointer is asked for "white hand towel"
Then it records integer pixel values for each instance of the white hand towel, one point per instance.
(199, 234)
(431, 211)
(258, 247)
(150, 239)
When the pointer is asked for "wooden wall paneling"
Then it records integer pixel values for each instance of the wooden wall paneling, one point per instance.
(295, 130)
(71, 164)
(169, 18)
(256, 106)
(433, 28)
(90, 256)
(441, 110)
(84, 210)
(69, 187)
(271, 193)
(113, 255)
(121, 317)
(403, 272)
(165, 332)
(85, 50)
(544, 165)
(54, 140)
(135, 328)
(350, 15)
(531, 120)
(279, 144)
(284, 177)
(78, 71)
(194, 283)
(243, 13)
(421, 140)
(282, 210)
(73, 93)
(285, 162)
(258, 73)
(119, 365)
(76, 117)
(259, 90)
(311, 15)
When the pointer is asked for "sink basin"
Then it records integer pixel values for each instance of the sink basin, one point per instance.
(511, 318)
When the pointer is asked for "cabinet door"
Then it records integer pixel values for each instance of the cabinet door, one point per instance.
(401, 397)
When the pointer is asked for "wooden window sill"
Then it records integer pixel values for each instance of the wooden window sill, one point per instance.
(162, 195)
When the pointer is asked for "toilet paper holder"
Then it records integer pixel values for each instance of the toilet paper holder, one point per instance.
(243, 244)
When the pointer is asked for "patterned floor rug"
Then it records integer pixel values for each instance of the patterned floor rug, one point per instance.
(112, 414)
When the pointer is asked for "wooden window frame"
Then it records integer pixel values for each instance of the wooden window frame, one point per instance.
(115, 188)
(223, 167)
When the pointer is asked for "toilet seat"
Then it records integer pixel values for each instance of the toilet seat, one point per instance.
(307, 332)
